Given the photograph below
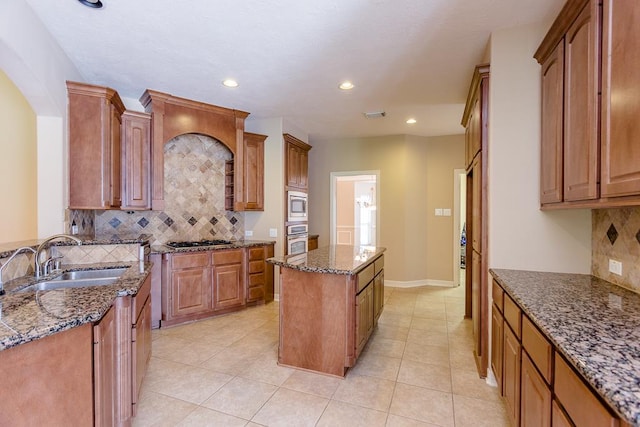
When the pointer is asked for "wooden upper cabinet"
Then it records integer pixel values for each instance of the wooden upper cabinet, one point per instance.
(136, 160)
(94, 147)
(253, 171)
(296, 163)
(475, 116)
(551, 159)
(620, 149)
(581, 79)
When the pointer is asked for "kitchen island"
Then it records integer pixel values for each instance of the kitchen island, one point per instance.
(330, 301)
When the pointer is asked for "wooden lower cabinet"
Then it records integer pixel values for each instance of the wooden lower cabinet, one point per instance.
(581, 405)
(378, 296)
(535, 397)
(140, 340)
(259, 274)
(511, 375)
(497, 334)
(539, 387)
(364, 317)
(49, 381)
(197, 285)
(190, 289)
(105, 359)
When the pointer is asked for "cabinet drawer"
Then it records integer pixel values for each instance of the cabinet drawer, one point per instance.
(512, 315)
(256, 266)
(256, 280)
(227, 257)
(199, 259)
(365, 276)
(498, 296)
(379, 264)
(256, 254)
(581, 404)
(256, 293)
(140, 299)
(538, 348)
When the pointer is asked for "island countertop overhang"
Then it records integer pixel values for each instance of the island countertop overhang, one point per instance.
(333, 259)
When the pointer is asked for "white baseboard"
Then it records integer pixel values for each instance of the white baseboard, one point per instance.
(416, 283)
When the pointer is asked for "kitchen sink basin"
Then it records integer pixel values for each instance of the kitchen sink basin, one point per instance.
(78, 279)
(61, 284)
(91, 274)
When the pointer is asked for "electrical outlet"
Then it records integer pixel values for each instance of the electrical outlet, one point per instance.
(248, 233)
(615, 267)
(273, 232)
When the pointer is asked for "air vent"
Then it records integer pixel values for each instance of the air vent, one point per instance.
(375, 114)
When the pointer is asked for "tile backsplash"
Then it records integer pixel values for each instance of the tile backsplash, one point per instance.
(616, 235)
(194, 179)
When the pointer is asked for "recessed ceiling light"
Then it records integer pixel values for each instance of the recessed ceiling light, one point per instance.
(411, 121)
(346, 85)
(230, 83)
(97, 4)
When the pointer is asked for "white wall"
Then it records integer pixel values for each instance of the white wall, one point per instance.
(521, 236)
(39, 68)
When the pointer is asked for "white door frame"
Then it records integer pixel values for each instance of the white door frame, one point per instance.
(457, 178)
(332, 201)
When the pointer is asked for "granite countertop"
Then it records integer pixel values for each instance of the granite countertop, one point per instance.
(336, 259)
(593, 323)
(27, 316)
(164, 249)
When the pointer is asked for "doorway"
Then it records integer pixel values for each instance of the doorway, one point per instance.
(355, 212)
(459, 225)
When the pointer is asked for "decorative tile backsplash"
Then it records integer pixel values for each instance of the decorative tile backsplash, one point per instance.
(194, 198)
(615, 235)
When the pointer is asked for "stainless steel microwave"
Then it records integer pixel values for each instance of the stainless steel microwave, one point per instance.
(297, 206)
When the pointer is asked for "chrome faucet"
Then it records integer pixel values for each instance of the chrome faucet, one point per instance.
(41, 269)
(13, 255)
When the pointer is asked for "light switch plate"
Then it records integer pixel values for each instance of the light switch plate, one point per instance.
(615, 267)
(438, 212)
(273, 232)
(248, 233)
(446, 212)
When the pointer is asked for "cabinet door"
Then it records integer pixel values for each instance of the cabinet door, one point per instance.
(581, 157)
(303, 180)
(378, 295)
(254, 172)
(136, 160)
(476, 205)
(620, 100)
(552, 127)
(105, 366)
(364, 319)
(535, 397)
(476, 305)
(511, 375)
(115, 157)
(497, 333)
(558, 417)
(293, 165)
(190, 291)
(228, 289)
(141, 351)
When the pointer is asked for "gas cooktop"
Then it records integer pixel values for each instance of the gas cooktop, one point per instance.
(197, 243)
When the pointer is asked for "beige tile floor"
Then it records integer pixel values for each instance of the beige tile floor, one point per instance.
(417, 370)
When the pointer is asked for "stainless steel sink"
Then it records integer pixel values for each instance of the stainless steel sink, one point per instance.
(60, 284)
(78, 279)
(91, 274)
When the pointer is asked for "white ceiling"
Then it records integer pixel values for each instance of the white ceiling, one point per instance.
(410, 58)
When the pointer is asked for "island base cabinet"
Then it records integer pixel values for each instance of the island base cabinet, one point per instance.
(313, 335)
(48, 382)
